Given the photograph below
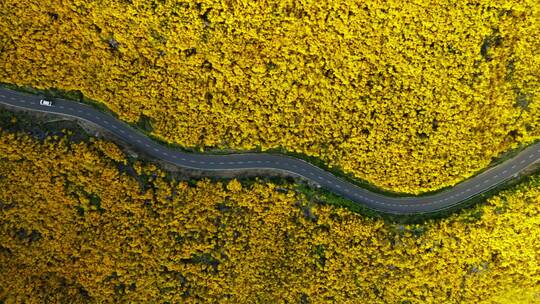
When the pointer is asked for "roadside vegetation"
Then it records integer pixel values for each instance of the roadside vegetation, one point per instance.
(411, 97)
(82, 223)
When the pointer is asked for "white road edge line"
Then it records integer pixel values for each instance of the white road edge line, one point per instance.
(317, 174)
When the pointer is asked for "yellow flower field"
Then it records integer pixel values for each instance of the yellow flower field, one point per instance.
(409, 95)
(82, 225)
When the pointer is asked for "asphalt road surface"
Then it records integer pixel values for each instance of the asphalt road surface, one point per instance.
(292, 166)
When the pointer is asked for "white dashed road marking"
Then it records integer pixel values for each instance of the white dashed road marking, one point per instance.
(313, 172)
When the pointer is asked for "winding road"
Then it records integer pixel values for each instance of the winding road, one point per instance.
(292, 166)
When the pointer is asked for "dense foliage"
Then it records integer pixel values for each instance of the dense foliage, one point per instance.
(80, 223)
(410, 95)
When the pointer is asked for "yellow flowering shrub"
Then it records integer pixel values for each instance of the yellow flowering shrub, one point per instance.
(110, 150)
(80, 228)
(409, 95)
(234, 186)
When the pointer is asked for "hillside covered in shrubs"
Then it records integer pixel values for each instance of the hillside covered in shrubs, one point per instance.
(83, 224)
(408, 95)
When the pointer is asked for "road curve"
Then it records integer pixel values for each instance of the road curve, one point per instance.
(292, 166)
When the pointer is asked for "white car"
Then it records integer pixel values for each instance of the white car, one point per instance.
(47, 103)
